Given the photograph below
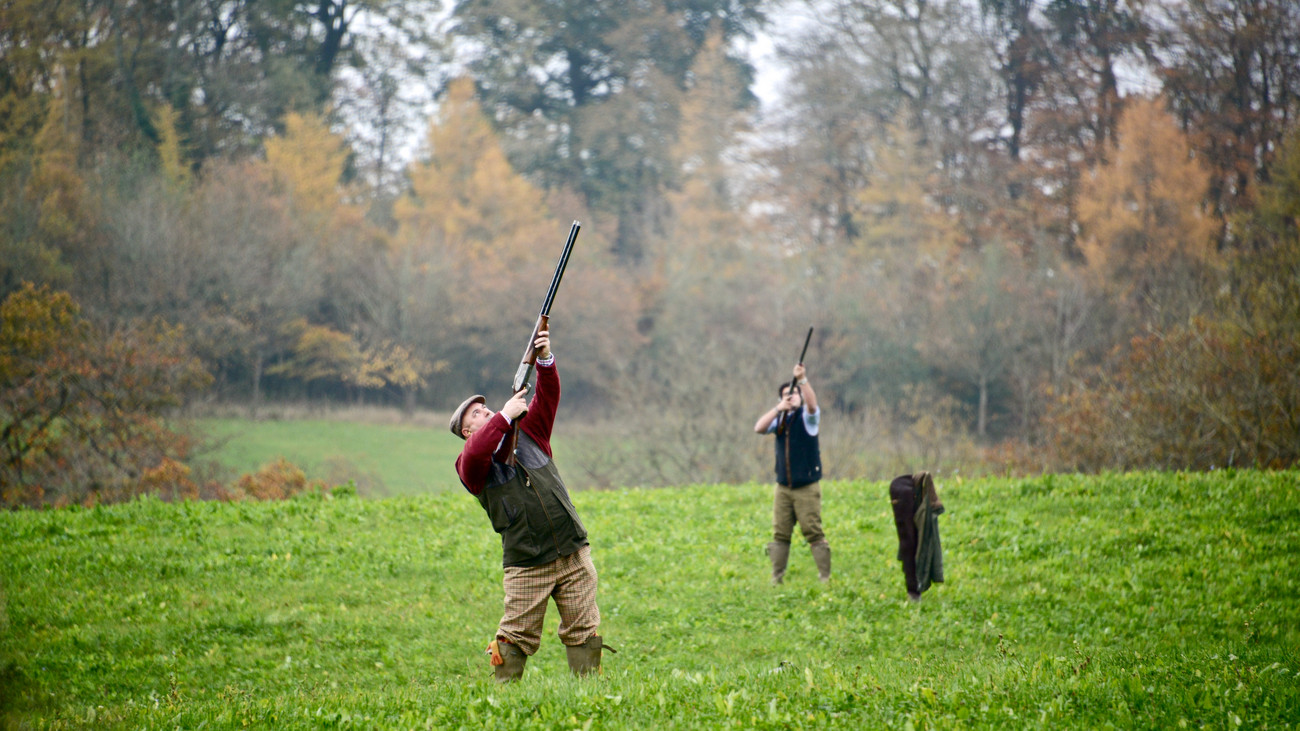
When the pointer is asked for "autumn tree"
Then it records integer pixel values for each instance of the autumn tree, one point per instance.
(818, 156)
(66, 214)
(1148, 237)
(389, 365)
(1231, 70)
(318, 353)
(308, 164)
(587, 92)
(84, 409)
(1214, 390)
(704, 290)
(899, 214)
(469, 225)
(863, 67)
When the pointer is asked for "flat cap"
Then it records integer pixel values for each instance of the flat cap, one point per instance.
(459, 413)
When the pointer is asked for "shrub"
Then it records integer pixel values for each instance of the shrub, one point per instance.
(277, 480)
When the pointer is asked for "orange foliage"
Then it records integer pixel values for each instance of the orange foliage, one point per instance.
(170, 478)
(83, 409)
(1207, 394)
(276, 480)
(1146, 230)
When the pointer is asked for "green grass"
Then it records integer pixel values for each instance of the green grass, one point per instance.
(1134, 601)
(383, 459)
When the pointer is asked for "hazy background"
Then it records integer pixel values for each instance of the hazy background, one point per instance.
(1031, 234)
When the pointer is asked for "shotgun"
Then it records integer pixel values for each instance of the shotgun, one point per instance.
(795, 382)
(529, 361)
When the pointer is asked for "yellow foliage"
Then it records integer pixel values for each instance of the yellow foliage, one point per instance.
(170, 150)
(895, 210)
(466, 198)
(319, 353)
(705, 218)
(67, 213)
(391, 364)
(306, 164)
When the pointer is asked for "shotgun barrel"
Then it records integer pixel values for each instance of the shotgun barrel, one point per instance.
(802, 353)
(529, 361)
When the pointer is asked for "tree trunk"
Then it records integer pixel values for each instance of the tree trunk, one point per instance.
(984, 404)
(257, 383)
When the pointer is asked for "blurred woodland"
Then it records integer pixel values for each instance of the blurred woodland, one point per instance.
(1031, 234)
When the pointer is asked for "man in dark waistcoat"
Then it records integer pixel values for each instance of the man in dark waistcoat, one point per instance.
(796, 420)
(544, 545)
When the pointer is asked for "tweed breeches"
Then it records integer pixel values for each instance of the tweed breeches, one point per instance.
(570, 581)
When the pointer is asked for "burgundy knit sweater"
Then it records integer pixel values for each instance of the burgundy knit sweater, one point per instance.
(474, 464)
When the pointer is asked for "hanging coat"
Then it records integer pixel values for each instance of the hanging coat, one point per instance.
(929, 553)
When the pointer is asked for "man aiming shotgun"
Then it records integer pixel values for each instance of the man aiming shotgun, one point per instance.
(507, 464)
(796, 421)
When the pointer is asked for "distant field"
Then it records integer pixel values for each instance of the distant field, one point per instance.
(383, 459)
(1117, 601)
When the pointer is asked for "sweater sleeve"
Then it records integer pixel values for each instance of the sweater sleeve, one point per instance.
(474, 464)
(540, 418)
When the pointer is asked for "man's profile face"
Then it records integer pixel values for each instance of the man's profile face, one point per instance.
(475, 417)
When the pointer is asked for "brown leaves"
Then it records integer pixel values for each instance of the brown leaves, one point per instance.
(84, 409)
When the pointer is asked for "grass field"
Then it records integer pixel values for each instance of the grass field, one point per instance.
(392, 458)
(1134, 601)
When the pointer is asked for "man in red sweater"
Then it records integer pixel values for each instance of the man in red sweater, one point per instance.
(544, 545)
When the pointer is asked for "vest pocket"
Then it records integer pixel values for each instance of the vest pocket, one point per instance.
(503, 514)
(563, 496)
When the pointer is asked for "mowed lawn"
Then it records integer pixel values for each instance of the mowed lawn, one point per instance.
(381, 458)
(1116, 601)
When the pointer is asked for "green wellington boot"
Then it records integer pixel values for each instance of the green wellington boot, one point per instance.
(584, 659)
(821, 551)
(780, 554)
(511, 667)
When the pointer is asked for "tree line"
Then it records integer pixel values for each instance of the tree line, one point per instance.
(1009, 256)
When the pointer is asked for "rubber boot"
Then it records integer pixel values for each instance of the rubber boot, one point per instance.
(821, 551)
(780, 554)
(584, 659)
(511, 667)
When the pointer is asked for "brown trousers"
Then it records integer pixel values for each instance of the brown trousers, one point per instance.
(802, 505)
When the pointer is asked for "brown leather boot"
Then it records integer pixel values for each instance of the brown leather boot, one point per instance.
(780, 554)
(584, 659)
(511, 661)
